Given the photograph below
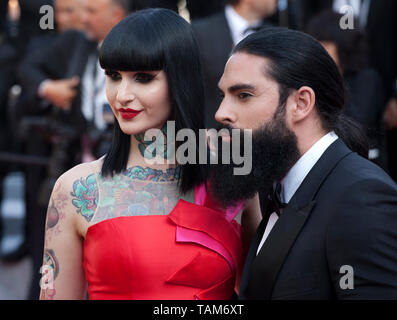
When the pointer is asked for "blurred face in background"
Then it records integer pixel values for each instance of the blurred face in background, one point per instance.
(264, 8)
(332, 50)
(99, 17)
(68, 14)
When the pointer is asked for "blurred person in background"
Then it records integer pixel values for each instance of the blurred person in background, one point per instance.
(365, 97)
(67, 16)
(67, 76)
(218, 34)
(379, 19)
(19, 22)
(31, 140)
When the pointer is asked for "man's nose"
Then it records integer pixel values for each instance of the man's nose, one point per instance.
(225, 115)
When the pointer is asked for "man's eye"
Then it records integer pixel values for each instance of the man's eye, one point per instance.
(144, 77)
(244, 96)
(114, 76)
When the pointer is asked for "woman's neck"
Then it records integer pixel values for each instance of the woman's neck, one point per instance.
(152, 153)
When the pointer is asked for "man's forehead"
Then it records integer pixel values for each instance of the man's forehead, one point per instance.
(244, 68)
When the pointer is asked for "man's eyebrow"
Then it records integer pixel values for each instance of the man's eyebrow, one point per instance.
(241, 86)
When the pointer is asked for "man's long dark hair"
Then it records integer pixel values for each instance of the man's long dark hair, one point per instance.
(296, 60)
(158, 39)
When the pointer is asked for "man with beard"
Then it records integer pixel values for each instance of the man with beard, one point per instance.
(329, 227)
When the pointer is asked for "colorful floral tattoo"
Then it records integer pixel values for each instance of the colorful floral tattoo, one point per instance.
(155, 147)
(149, 174)
(135, 191)
(85, 194)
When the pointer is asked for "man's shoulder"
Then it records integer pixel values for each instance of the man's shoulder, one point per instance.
(355, 168)
(358, 180)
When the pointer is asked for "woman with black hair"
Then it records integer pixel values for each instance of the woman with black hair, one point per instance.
(135, 229)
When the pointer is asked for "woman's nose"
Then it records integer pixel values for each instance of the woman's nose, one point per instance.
(125, 93)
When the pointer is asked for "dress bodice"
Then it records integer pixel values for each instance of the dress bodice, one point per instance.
(148, 243)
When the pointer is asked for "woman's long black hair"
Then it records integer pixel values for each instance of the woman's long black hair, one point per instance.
(158, 39)
(296, 60)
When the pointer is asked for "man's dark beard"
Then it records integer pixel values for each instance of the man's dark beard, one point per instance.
(274, 152)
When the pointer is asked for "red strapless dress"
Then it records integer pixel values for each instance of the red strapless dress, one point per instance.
(195, 252)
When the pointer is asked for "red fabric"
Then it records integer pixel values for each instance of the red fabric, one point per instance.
(138, 257)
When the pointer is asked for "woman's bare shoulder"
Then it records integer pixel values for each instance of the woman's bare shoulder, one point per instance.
(81, 171)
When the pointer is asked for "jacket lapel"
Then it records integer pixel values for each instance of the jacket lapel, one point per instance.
(260, 273)
(78, 61)
(267, 264)
(250, 258)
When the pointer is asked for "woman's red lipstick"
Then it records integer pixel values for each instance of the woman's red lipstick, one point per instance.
(129, 113)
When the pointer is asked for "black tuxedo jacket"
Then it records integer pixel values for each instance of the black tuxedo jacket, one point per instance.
(65, 57)
(343, 214)
(215, 42)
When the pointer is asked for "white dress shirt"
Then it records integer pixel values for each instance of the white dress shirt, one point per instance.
(297, 174)
(94, 88)
(238, 25)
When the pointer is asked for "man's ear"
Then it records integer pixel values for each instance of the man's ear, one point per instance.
(305, 100)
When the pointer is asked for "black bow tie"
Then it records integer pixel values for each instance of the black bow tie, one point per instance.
(275, 202)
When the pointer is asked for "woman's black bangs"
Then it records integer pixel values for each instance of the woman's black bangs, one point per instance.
(124, 50)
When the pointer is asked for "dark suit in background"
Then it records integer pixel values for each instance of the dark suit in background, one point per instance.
(64, 57)
(200, 9)
(3, 16)
(29, 22)
(343, 214)
(365, 103)
(215, 43)
(143, 4)
(307, 9)
(382, 39)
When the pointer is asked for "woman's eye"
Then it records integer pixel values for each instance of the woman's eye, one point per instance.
(144, 77)
(114, 76)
